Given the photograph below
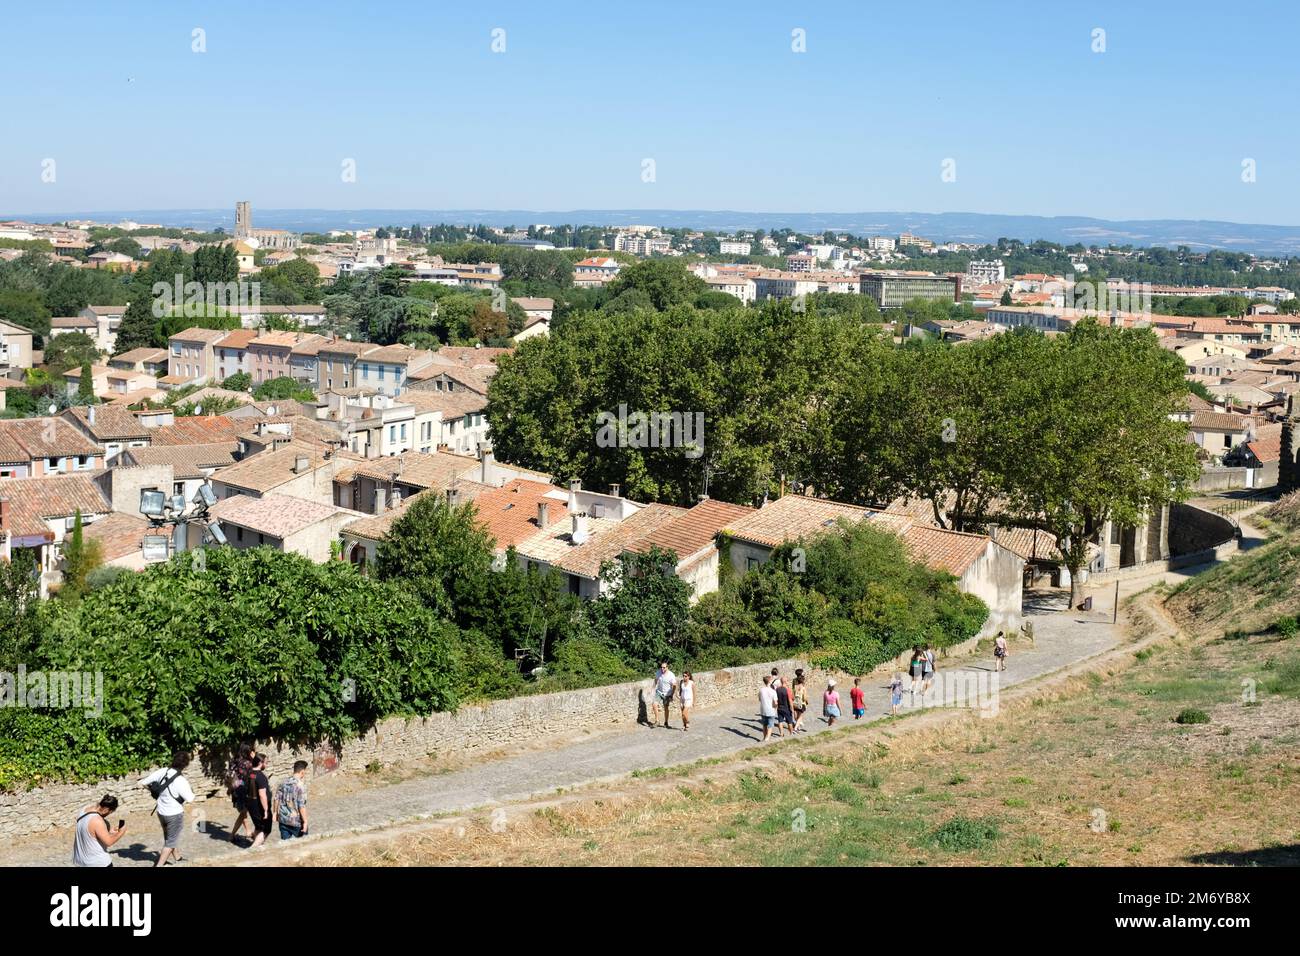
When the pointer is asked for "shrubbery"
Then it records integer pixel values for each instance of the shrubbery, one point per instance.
(260, 644)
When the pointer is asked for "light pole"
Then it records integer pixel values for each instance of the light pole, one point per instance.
(162, 510)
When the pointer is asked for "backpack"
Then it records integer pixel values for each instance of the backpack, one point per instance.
(157, 787)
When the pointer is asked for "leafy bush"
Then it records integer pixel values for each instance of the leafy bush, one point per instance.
(261, 644)
(962, 834)
(1287, 626)
(585, 661)
(239, 382)
(1191, 715)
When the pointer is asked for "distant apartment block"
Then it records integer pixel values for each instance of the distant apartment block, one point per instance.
(907, 239)
(881, 243)
(986, 271)
(892, 289)
(734, 247)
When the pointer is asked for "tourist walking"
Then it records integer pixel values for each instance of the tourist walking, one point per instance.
(686, 697)
(1000, 651)
(927, 669)
(665, 681)
(857, 700)
(895, 694)
(171, 790)
(257, 800)
(93, 834)
(235, 779)
(916, 670)
(831, 703)
(776, 678)
(800, 700)
(767, 706)
(291, 799)
(784, 710)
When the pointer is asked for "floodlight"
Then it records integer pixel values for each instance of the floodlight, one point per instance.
(178, 503)
(206, 496)
(215, 532)
(157, 547)
(152, 503)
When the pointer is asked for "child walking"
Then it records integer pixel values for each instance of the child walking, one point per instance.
(857, 699)
(831, 703)
(895, 694)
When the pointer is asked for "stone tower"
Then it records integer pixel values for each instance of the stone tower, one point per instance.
(1288, 469)
(243, 220)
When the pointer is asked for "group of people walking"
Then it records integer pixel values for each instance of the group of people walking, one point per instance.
(250, 793)
(666, 686)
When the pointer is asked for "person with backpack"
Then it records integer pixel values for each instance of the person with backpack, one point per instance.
(927, 669)
(915, 669)
(171, 791)
(94, 835)
(291, 798)
(235, 778)
(257, 800)
(800, 693)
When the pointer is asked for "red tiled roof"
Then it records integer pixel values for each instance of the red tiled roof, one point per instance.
(694, 529)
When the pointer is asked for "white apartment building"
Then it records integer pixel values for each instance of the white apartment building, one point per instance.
(986, 271)
(881, 243)
(734, 247)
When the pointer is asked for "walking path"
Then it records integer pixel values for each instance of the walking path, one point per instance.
(1061, 639)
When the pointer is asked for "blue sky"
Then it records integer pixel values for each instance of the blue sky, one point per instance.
(1157, 126)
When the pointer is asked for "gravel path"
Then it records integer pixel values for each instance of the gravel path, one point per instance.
(1061, 639)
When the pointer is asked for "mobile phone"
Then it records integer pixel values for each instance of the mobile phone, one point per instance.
(121, 823)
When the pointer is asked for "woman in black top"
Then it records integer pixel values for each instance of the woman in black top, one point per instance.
(784, 711)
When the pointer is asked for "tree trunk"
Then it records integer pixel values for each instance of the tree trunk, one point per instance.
(1076, 587)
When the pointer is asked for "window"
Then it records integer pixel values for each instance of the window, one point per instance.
(178, 488)
(403, 431)
(239, 534)
(752, 563)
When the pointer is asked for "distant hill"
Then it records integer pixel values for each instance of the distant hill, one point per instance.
(1197, 234)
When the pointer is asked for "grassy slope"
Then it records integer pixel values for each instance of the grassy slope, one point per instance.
(1100, 774)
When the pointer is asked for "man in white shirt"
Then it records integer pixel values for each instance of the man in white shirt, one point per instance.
(767, 706)
(665, 681)
(175, 792)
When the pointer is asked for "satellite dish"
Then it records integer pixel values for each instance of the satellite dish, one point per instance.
(198, 409)
(53, 409)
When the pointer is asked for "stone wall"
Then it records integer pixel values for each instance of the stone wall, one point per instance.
(1193, 529)
(471, 730)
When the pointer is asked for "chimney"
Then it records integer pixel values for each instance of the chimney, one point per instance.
(700, 499)
(300, 464)
(453, 497)
(614, 490)
(579, 532)
(90, 415)
(4, 513)
(381, 500)
(574, 487)
(543, 515)
(486, 462)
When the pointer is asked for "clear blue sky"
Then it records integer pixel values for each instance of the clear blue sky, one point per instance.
(1155, 127)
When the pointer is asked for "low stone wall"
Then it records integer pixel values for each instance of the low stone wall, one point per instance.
(1196, 536)
(1193, 530)
(470, 730)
